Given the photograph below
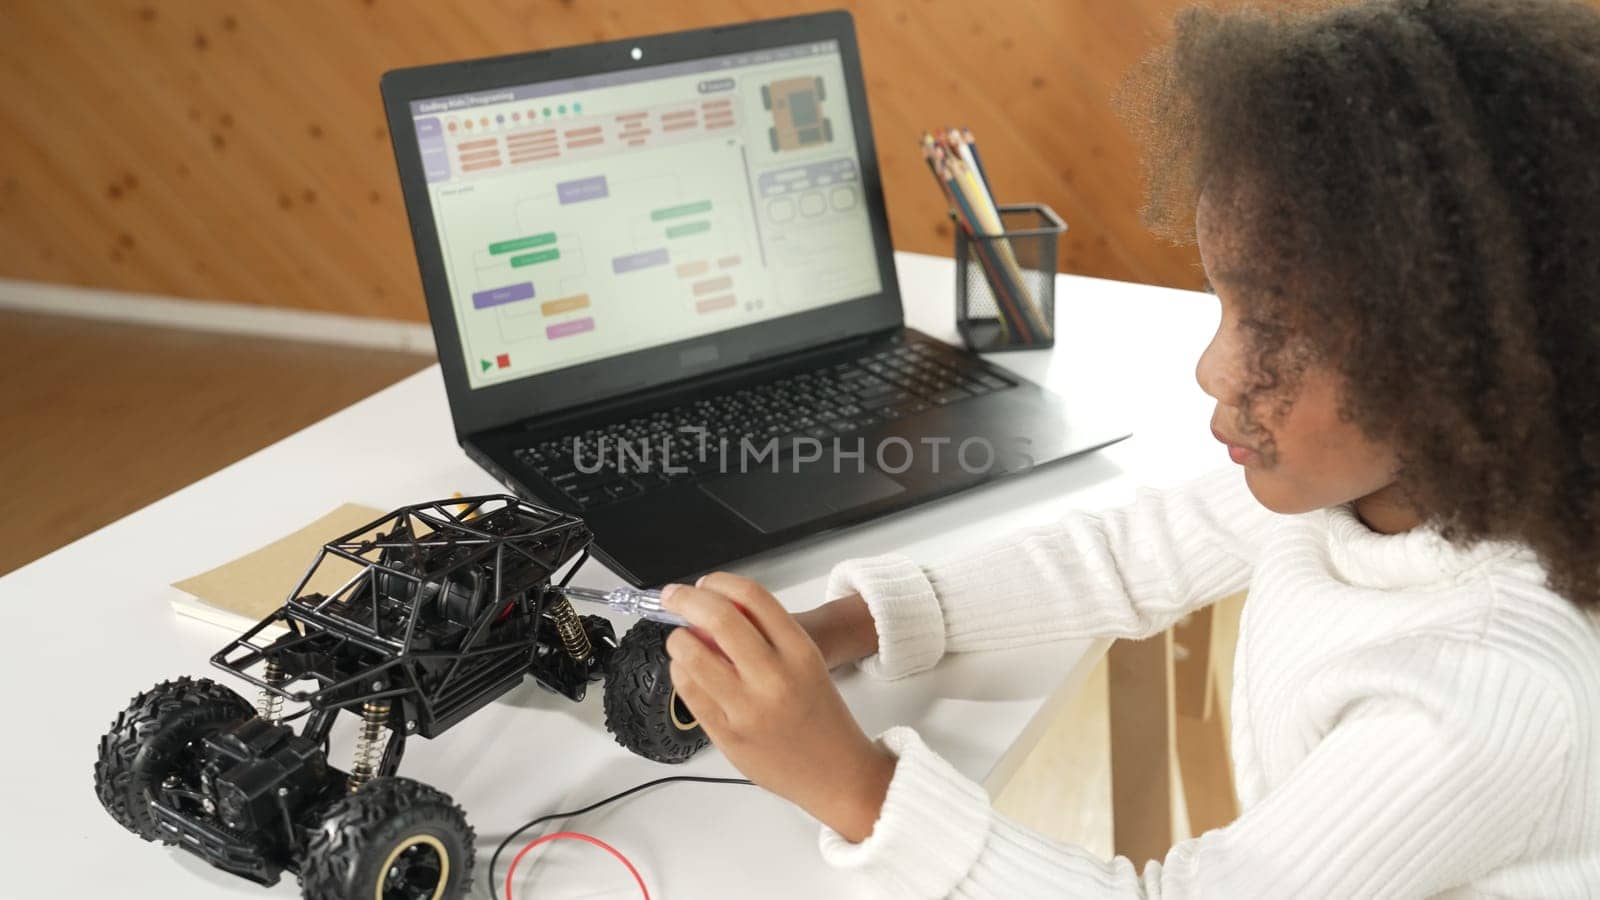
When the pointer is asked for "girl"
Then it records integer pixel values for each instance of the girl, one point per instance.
(1398, 205)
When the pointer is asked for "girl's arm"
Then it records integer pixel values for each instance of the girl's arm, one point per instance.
(1127, 572)
(1429, 761)
(1442, 777)
(842, 629)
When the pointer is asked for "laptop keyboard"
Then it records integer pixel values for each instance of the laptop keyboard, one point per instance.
(631, 457)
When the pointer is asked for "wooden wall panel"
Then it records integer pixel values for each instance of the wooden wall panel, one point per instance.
(236, 150)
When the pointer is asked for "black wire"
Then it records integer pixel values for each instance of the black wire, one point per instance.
(495, 859)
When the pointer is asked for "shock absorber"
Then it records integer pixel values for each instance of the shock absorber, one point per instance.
(374, 714)
(573, 638)
(269, 704)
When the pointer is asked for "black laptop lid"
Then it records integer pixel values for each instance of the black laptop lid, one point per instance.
(592, 221)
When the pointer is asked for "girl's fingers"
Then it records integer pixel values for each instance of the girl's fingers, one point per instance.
(702, 703)
(709, 669)
(721, 619)
(775, 622)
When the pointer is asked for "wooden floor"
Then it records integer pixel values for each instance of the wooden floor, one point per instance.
(100, 419)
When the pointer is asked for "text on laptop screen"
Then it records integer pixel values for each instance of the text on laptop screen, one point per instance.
(585, 218)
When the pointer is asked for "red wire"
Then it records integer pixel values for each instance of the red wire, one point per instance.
(576, 836)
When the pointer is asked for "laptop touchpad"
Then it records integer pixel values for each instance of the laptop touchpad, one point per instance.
(772, 501)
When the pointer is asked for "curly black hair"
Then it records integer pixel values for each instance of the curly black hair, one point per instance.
(1419, 181)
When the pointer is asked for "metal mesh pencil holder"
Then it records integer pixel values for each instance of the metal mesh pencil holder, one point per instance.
(1006, 283)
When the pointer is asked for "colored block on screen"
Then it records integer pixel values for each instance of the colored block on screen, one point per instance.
(529, 259)
(430, 143)
(500, 295)
(687, 229)
(712, 285)
(714, 303)
(567, 329)
(635, 261)
(565, 304)
(686, 209)
(523, 243)
(582, 189)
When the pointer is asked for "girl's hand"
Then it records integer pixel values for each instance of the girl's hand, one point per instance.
(759, 686)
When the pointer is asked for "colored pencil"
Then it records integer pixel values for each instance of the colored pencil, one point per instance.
(958, 147)
(977, 160)
(941, 161)
(988, 222)
(996, 226)
(1012, 318)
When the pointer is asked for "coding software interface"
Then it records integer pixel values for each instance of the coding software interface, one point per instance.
(595, 216)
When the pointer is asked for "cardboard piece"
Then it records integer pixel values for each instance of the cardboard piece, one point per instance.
(238, 594)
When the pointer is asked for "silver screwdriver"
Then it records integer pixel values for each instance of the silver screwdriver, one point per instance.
(646, 604)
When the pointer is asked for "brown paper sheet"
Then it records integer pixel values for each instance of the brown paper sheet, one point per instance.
(242, 592)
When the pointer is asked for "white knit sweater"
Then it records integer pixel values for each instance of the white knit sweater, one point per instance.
(1409, 719)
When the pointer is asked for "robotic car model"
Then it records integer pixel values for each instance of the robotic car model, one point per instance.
(430, 613)
(797, 119)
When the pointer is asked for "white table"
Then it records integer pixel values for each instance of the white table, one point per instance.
(89, 625)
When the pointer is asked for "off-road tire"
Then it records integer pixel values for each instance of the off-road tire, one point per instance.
(148, 740)
(642, 709)
(364, 834)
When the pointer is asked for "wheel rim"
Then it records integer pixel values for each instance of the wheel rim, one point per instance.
(418, 868)
(682, 718)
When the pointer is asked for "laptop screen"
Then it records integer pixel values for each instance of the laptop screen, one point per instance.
(591, 217)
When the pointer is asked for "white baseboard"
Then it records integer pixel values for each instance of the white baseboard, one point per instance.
(209, 315)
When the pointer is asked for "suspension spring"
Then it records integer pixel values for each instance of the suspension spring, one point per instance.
(573, 638)
(374, 714)
(269, 704)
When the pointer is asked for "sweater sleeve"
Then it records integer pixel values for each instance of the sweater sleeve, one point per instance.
(1436, 779)
(1127, 572)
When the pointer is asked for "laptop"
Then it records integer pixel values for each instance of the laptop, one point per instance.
(661, 284)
